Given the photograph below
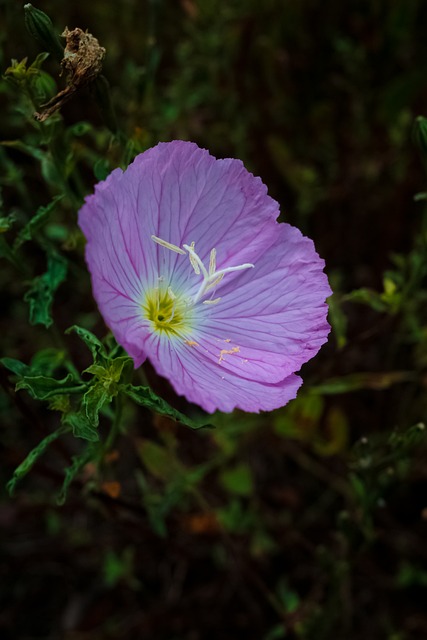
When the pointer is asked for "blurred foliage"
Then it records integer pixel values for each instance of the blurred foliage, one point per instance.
(310, 522)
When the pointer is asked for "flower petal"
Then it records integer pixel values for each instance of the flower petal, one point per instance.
(270, 319)
(180, 193)
(275, 313)
(213, 387)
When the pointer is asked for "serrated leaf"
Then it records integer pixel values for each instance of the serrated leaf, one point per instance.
(40, 294)
(33, 456)
(81, 425)
(41, 216)
(43, 387)
(112, 372)
(147, 398)
(44, 362)
(93, 400)
(105, 386)
(39, 386)
(96, 347)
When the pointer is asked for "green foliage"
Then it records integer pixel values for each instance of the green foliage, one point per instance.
(78, 462)
(238, 480)
(32, 458)
(119, 567)
(40, 294)
(96, 347)
(296, 524)
(40, 218)
(40, 27)
(147, 398)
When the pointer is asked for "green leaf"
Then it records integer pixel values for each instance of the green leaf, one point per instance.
(43, 387)
(41, 216)
(39, 386)
(16, 366)
(147, 398)
(106, 385)
(6, 222)
(7, 252)
(160, 462)
(118, 567)
(234, 518)
(363, 380)
(40, 294)
(29, 461)
(368, 297)
(93, 400)
(96, 347)
(40, 58)
(46, 361)
(34, 152)
(81, 425)
(338, 321)
(113, 372)
(101, 169)
(78, 462)
(238, 480)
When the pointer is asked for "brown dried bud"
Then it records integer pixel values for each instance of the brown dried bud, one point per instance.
(83, 57)
(82, 63)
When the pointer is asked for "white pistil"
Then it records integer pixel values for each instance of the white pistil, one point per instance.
(210, 279)
(168, 245)
(208, 282)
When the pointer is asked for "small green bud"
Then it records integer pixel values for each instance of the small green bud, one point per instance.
(40, 26)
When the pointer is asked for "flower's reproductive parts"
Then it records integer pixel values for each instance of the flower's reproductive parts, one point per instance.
(171, 311)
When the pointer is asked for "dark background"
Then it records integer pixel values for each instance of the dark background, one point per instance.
(309, 522)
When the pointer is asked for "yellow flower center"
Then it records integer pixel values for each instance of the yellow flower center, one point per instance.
(173, 315)
(166, 312)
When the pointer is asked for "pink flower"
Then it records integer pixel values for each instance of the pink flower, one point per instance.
(191, 269)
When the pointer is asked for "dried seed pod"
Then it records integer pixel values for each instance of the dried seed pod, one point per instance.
(82, 64)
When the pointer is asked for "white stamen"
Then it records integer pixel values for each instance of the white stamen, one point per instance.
(212, 262)
(210, 279)
(193, 261)
(168, 245)
(192, 253)
(215, 282)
